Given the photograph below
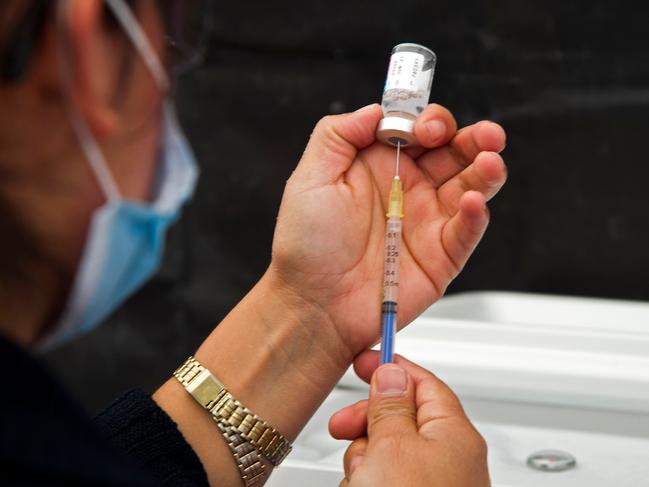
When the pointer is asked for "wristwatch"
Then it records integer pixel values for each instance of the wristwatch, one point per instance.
(231, 415)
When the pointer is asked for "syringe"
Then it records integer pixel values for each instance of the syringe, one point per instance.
(391, 266)
(405, 95)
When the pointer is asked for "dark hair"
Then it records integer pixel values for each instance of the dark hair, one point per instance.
(17, 51)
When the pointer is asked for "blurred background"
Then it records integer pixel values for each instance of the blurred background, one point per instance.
(569, 81)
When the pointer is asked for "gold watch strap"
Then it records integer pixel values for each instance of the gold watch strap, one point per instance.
(213, 396)
(251, 466)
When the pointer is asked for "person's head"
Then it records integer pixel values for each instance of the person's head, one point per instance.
(57, 58)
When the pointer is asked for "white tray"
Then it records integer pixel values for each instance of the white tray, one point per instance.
(533, 372)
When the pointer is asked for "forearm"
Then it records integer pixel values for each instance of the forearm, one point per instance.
(278, 354)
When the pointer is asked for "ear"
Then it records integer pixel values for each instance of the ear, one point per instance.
(95, 60)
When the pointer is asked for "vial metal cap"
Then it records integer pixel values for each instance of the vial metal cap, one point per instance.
(392, 130)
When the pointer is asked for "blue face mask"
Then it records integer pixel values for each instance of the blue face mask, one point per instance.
(125, 239)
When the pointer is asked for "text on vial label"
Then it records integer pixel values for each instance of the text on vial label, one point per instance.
(405, 72)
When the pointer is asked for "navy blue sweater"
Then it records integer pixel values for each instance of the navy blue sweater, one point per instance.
(46, 439)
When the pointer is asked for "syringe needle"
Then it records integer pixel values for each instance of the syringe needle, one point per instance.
(398, 153)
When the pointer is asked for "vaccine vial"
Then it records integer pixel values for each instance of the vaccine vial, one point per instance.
(406, 93)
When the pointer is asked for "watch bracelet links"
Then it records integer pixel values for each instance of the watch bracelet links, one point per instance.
(250, 464)
(213, 396)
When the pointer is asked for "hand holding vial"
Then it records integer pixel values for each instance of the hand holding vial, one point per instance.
(330, 234)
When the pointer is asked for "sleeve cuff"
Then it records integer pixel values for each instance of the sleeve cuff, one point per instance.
(137, 427)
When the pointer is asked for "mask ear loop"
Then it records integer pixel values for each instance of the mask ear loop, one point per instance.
(139, 39)
(85, 137)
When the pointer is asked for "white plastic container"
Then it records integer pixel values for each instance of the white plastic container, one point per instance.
(534, 372)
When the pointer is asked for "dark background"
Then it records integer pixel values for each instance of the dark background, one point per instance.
(568, 80)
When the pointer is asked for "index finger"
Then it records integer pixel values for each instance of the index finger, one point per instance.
(434, 127)
(446, 162)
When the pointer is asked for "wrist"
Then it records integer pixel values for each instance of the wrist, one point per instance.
(307, 319)
(277, 353)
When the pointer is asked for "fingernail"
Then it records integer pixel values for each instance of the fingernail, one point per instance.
(436, 129)
(372, 105)
(391, 380)
(354, 463)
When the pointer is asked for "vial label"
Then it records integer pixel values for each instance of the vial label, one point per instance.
(405, 72)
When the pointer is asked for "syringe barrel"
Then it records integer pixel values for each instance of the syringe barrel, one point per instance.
(389, 330)
(391, 263)
(390, 288)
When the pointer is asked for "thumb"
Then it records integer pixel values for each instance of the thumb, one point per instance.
(334, 143)
(392, 409)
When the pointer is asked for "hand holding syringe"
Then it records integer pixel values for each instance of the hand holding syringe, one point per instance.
(335, 257)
